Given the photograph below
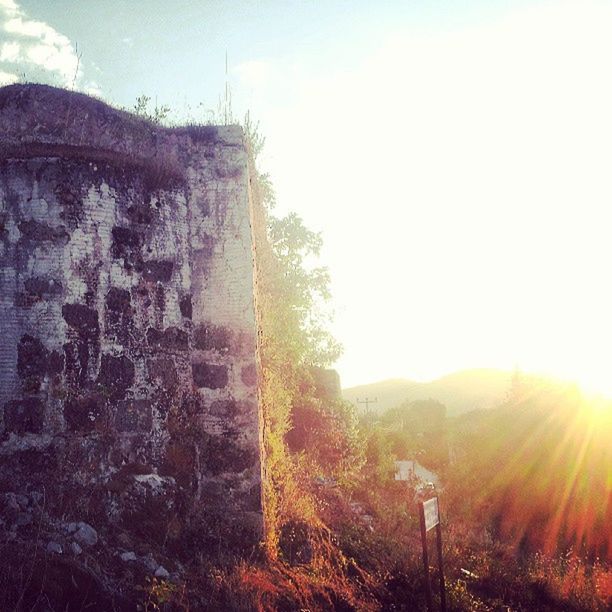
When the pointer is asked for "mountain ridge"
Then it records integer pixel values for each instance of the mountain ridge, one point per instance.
(460, 392)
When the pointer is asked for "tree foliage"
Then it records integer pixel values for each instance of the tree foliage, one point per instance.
(157, 114)
(307, 436)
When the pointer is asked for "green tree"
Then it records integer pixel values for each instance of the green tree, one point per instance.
(305, 435)
(303, 290)
(157, 115)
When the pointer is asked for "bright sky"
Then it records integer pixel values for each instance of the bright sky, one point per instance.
(456, 156)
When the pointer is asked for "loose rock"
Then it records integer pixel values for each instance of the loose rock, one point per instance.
(86, 535)
(54, 548)
(162, 572)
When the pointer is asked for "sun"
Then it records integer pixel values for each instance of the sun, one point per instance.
(593, 377)
(596, 387)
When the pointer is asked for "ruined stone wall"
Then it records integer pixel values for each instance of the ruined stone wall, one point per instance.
(127, 330)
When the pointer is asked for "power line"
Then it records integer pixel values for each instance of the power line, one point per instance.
(368, 413)
(367, 401)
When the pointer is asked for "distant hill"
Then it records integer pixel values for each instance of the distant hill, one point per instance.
(460, 392)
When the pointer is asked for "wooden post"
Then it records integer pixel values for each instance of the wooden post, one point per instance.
(425, 558)
(429, 512)
(441, 567)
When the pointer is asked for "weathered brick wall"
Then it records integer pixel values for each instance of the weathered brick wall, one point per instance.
(127, 330)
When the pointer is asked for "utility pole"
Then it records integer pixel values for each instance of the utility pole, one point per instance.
(367, 401)
(226, 88)
(225, 101)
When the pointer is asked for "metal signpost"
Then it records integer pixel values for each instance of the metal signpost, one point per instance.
(430, 517)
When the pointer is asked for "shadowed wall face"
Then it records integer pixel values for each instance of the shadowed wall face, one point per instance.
(127, 359)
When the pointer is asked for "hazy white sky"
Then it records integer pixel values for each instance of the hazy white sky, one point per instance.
(455, 155)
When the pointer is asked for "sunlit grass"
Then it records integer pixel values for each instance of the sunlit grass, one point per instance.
(547, 470)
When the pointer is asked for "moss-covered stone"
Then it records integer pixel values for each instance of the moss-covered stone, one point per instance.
(84, 414)
(116, 375)
(212, 337)
(172, 339)
(24, 416)
(209, 375)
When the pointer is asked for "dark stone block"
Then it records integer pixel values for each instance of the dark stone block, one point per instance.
(209, 376)
(163, 372)
(118, 300)
(72, 205)
(71, 360)
(221, 454)
(181, 462)
(41, 287)
(207, 337)
(155, 337)
(116, 375)
(143, 214)
(76, 359)
(172, 339)
(25, 300)
(82, 414)
(248, 375)
(126, 245)
(192, 405)
(24, 416)
(55, 363)
(118, 316)
(125, 238)
(41, 232)
(186, 307)
(160, 271)
(226, 409)
(31, 357)
(83, 319)
(134, 415)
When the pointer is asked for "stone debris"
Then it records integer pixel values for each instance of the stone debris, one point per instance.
(128, 556)
(150, 563)
(86, 535)
(162, 572)
(54, 548)
(75, 549)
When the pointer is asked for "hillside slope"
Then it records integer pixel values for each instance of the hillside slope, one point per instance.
(460, 391)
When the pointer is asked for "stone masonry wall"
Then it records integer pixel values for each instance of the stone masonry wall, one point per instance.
(127, 331)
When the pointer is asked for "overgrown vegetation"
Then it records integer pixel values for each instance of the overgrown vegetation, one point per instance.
(341, 533)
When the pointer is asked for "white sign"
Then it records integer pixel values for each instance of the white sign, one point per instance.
(431, 512)
(403, 470)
